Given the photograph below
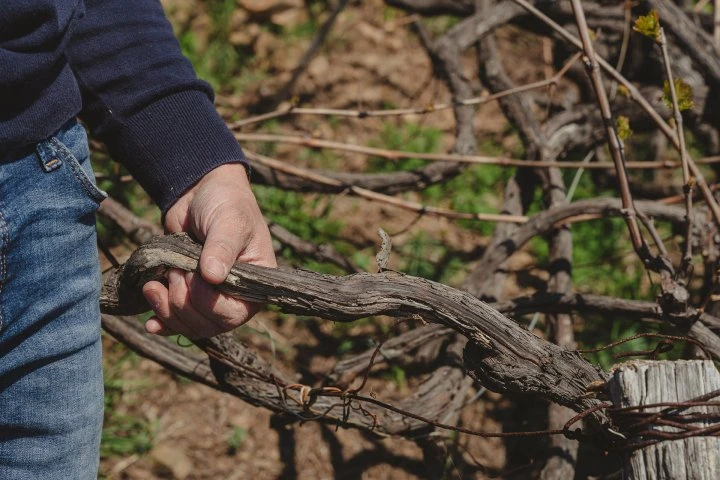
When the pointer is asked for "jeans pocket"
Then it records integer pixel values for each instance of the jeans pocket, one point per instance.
(69, 148)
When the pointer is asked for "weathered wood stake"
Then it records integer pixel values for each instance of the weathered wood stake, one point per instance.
(647, 382)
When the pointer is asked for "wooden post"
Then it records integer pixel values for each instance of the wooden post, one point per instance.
(645, 382)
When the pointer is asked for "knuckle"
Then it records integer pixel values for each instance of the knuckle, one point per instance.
(223, 247)
(229, 310)
(177, 300)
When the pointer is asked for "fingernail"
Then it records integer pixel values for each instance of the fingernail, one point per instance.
(215, 268)
(154, 300)
(152, 326)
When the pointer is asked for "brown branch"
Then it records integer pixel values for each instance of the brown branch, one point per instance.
(687, 182)
(386, 182)
(561, 465)
(422, 346)
(321, 253)
(367, 194)
(130, 332)
(547, 220)
(138, 230)
(419, 347)
(434, 108)
(614, 143)
(247, 382)
(519, 191)
(317, 143)
(435, 7)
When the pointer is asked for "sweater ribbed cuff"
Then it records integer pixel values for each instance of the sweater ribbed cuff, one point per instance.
(172, 143)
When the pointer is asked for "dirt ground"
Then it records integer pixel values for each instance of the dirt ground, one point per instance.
(369, 60)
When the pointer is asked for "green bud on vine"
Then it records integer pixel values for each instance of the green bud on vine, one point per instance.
(648, 25)
(684, 94)
(622, 124)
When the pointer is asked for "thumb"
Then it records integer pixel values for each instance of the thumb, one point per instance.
(223, 244)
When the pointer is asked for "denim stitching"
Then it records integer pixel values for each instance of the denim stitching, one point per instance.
(86, 184)
(5, 240)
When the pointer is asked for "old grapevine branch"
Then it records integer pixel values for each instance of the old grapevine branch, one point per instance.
(244, 378)
(241, 372)
(547, 220)
(232, 367)
(245, 375)
(129, 331)
(539, 224)
(500, 353)
(141, 231)
(137, 229)
(420, 346)
(250, 379)
(589, 303)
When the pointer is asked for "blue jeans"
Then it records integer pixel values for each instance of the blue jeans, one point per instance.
(51, 388)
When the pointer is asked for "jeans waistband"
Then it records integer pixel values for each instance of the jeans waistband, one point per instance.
(17, 153)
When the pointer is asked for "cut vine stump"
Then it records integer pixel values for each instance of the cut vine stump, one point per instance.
(651, 382)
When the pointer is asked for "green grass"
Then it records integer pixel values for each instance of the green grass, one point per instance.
(409, 137)
(216, 60)
(237, 437)
(397, 375)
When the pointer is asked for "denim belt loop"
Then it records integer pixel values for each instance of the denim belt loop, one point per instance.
(48, 155)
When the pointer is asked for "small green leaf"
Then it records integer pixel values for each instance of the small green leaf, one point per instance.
(622, 124)
(236, 439)
(684, 94)
(648, 25)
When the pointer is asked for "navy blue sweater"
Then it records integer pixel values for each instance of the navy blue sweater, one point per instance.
(116, 64)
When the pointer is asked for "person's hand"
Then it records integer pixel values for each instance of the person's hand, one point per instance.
(221, 211)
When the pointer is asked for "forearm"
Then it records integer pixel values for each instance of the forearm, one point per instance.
(143, 99)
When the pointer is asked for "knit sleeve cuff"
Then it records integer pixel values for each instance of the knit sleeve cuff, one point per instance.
(172, 143)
